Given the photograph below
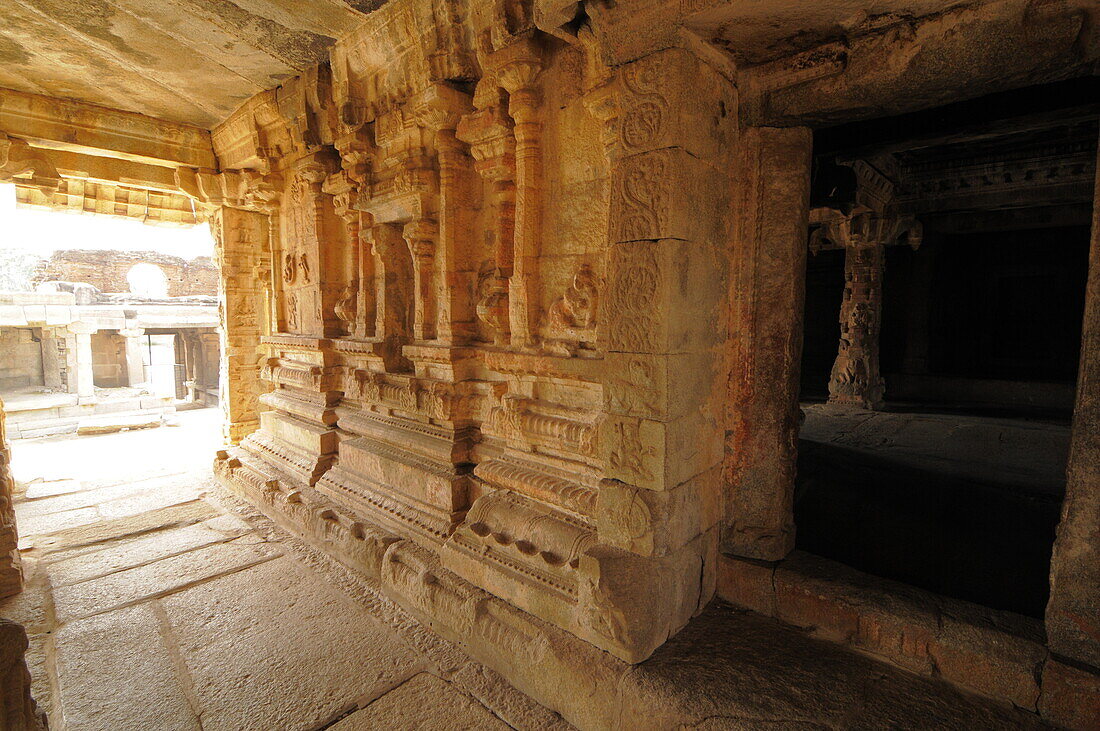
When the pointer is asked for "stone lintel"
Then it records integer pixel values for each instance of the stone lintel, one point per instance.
(81, 127)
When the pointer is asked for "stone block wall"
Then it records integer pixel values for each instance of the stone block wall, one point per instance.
(20, 358)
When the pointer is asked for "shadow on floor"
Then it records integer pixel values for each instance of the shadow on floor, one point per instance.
(981, 541)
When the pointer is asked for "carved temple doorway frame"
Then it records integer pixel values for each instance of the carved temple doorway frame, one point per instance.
(771, 221)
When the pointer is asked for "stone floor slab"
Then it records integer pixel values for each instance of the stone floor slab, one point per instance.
(424, 702)
(130, 553)
(51, 488)
(116, 674)
(35, 525)
(81, 537)
(158, 578)
(275, 647)
(150, 499)
(91, 497)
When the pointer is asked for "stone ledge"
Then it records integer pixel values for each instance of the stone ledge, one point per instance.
(994, 653)
(1071, 696)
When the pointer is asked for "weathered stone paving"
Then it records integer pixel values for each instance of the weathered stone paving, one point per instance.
(152, 603)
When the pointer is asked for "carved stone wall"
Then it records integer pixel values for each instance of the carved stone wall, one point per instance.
(510, 290)
(492, 312)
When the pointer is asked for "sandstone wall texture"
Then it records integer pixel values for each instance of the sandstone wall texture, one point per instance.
(20, 358)
(107, 270)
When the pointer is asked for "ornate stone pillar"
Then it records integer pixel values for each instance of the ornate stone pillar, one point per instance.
(421, 235)
(772, 175)
(517, 75)
(439, 109)
(85, 380)
(135, 355)
(359, 302)
(239, 236)
(11, 568)
(493, 146)
(864, 230)
(855, 379)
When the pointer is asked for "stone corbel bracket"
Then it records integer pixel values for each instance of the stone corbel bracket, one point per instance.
(18, 159)
(245, 189)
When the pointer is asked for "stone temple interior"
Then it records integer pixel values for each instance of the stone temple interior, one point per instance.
(614, 342)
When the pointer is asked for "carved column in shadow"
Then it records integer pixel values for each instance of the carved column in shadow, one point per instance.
(863, 229)
(18, 711)
(855, 378)
(421, 235)
(11, 569)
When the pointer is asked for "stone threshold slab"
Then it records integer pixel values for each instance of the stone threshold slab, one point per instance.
(995, 653)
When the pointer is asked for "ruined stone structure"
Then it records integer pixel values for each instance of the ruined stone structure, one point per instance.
(512, 301)
(71, 355)
(108, 270)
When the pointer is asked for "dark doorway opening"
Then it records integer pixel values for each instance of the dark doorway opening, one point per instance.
(954, 483)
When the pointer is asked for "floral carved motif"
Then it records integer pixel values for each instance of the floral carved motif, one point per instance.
(640, 203)
(632, 299)
(642, 121)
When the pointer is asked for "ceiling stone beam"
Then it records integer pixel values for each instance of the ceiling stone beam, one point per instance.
(87, 128)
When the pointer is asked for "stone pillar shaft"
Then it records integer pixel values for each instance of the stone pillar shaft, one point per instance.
(523, 285)
(240, 235)
(855, 379)
(1072, 624)
(85, 378)
(11, 568)
(773, 174)
(135, 356)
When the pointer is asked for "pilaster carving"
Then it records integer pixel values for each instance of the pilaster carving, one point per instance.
(18, 711)
(489, 132)
(421, 236)
(516, 68)
(11, 568)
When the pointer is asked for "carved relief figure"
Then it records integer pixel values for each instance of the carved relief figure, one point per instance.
(290, 268)
(576, 309)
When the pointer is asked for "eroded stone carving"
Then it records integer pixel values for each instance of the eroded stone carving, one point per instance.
(11, 569)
